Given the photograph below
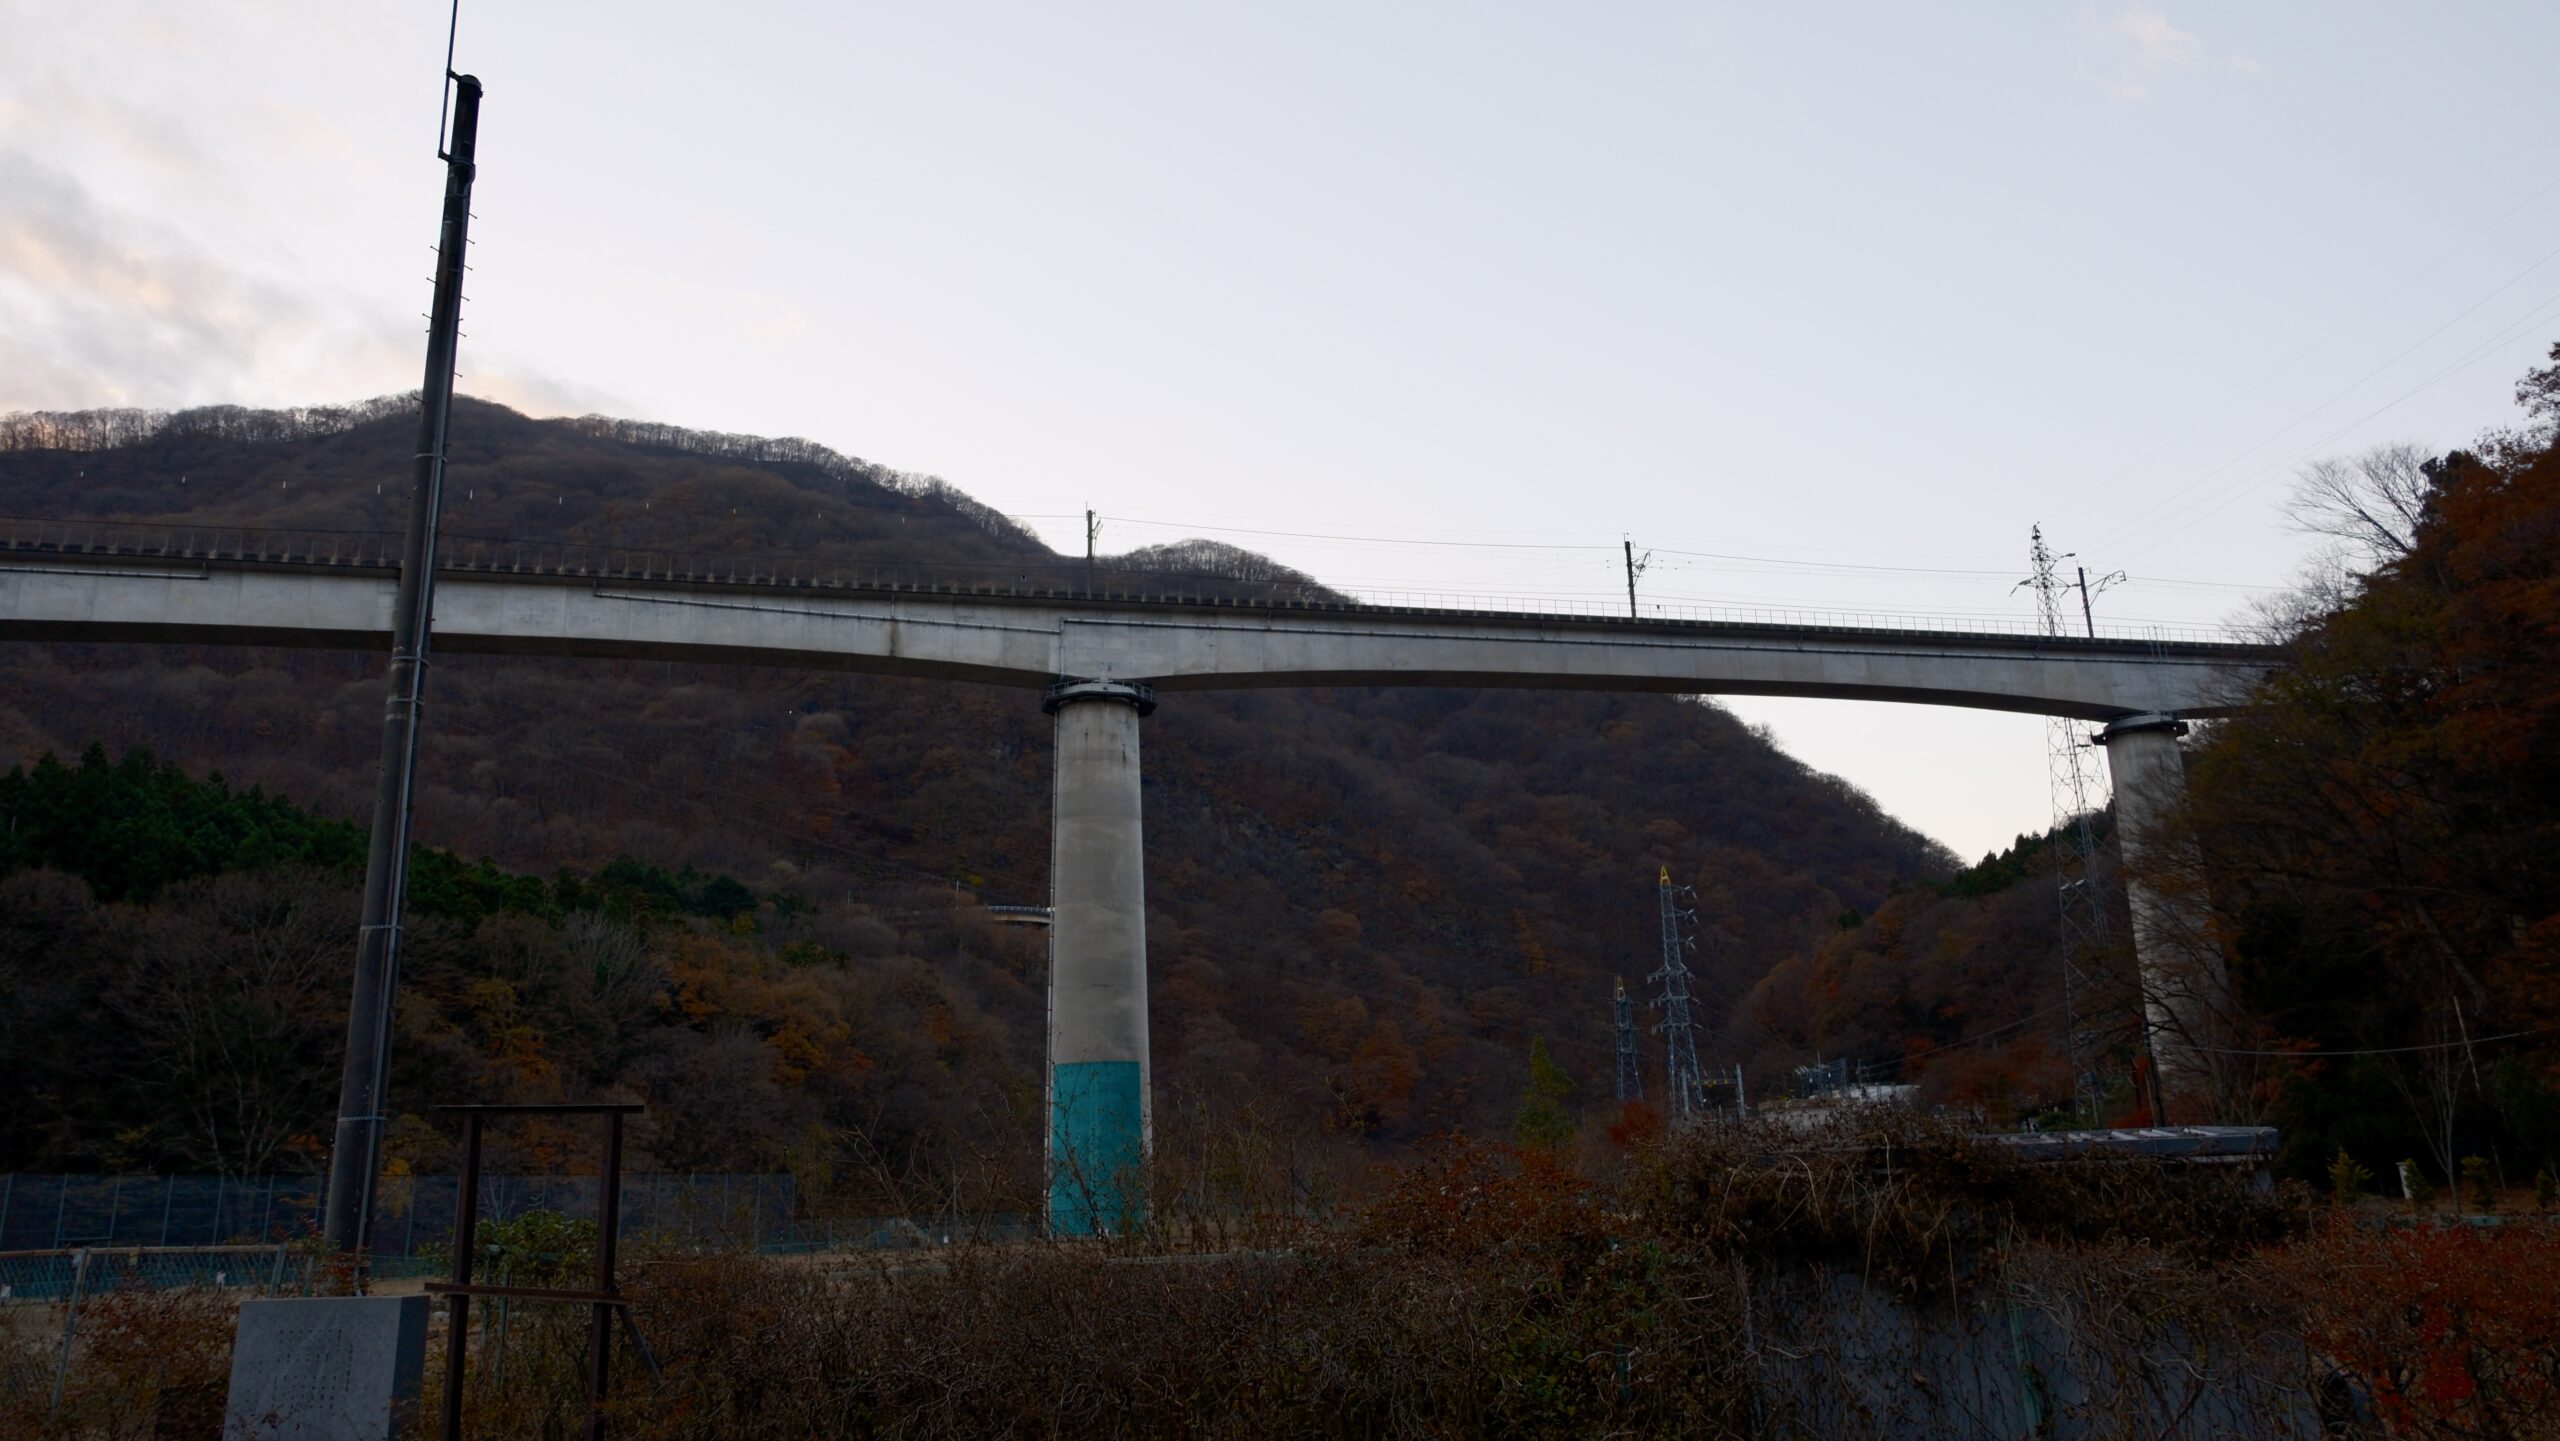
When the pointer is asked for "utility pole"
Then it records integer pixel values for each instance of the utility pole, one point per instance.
(2088, 617)
(1679, 1032)
(356, 1153)
(1092, 530)
(1630, 1073)
(1634, 569)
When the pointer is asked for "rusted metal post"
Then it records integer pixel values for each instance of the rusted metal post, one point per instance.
(605, 1299)
(70, 1323)
(466, 1218)
(608, 1222)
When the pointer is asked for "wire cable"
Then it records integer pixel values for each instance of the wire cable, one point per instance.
(2382, 1050)
(2136, 524)
(2231, 494)
(2260, 383)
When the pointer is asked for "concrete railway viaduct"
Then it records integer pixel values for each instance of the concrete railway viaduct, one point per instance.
(1101, 661)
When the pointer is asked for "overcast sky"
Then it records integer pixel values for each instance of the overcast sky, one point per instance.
(1856, 294)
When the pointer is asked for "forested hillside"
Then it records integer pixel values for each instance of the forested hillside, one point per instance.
(1363, 904)
(757, 897)
(2377, 839)
(2381, 832)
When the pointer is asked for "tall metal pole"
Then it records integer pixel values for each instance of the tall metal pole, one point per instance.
(1682, 1083)
(355, 1157)
(1630, 1070)
(2086, 932)
(1631, 577)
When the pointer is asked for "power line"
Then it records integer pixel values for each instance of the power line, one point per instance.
(1838, 565)
(1994, 1032)
(1767, 562)
(1355, 539)
(2084, 933)
(2388, 1050)
(2260, 383)
(2135, 525)
(2474, 356)
(1274, 968)
(883, 867)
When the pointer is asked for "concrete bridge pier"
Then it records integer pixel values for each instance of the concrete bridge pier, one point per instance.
(1100, 1121)
(2185, 993)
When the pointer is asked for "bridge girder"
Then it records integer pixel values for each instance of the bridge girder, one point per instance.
(1173, 644)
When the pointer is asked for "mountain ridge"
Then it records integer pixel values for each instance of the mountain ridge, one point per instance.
(1362, 902)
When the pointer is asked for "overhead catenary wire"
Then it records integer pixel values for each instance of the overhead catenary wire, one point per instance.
(1994, 1033)
(2139, 523)
(883, 867)
(1764, 564)
(1163, 581)
(2232, 494)
(2460, 1045)
(1184, 525)
(1812, 566)
(2350, 323)
(902, 870)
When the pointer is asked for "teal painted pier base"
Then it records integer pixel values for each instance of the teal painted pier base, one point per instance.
(1097, 1142)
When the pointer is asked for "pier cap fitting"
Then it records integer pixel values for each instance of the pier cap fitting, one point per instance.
(1071, 692)
(2146, 721)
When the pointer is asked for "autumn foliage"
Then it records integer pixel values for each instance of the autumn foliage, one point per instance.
(2453, 1330)
(1362, 904)
(1880, 1281)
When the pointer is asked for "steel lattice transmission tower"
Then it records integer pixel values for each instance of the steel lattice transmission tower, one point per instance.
(2086, 936)
(1683, 1088)
(1630, 1074)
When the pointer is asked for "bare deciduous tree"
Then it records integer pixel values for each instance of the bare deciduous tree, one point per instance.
(2371, 502)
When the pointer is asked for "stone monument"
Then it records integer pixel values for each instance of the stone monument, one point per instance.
(326, 1368)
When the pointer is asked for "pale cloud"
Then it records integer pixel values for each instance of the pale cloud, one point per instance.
(2136, 49)
(2154, 42)
(757, 318)
(54, 106)
(535, 394)
(1705, 29)
(99, 307)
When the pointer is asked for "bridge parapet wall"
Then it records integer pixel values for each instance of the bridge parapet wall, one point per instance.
(270, 594)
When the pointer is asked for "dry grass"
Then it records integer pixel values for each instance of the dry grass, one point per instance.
(1892, 1283)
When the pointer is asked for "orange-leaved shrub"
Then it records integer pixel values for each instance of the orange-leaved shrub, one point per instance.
(2453, 1330)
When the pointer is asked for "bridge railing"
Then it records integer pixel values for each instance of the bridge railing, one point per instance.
(24, 539)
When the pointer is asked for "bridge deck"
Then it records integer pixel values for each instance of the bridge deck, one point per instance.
(571, 603)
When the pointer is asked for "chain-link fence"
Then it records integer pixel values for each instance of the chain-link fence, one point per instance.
(45, 1218)
(272, 1268)
(60, 1289)
(413, 1215)
(891, 1233)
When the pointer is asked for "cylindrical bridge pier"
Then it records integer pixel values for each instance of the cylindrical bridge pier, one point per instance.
(2186, 996)
(1100, 1123)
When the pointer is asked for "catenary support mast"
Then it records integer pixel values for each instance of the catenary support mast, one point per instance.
(2092, 964)
(355, 1155)
(2084, 936)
